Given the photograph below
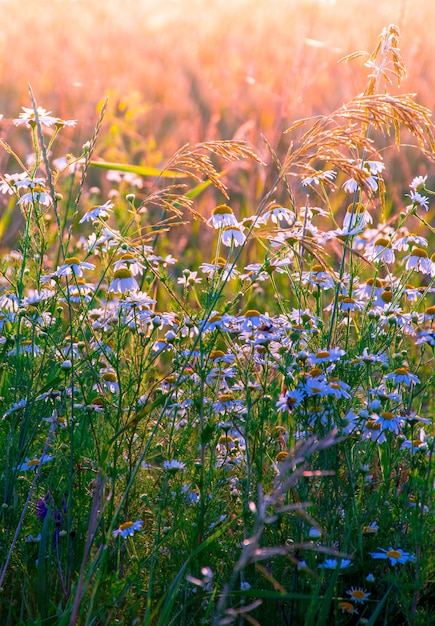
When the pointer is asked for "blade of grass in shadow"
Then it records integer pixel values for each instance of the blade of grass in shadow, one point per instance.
(372, 621)
(167, 602)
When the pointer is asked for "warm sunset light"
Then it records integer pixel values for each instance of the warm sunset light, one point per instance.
(217, 312)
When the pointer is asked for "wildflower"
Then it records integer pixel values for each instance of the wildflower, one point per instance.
(415, 445)
(396, 555)
(418, 181)
(277, 214)
(334, 564)
(189, 278)
(127, 529)
(73, 265)
(222, 216)
(27, 346)
(370, 578)
(8, 182)
(371, 529)
(28, 117)
(370, 171)
(358, 594)
(110, 380)
(98, 212)
(290, 400)
(389, 421)
(403, 243)
(356, 216)
(233, 236)
(318, 177)
(174, 466)
(326, 356)
(221, 267)
(350, 304)
(17, 406)
(34, 463)
(402, 375)
(37, 194)
(419, 200)
(419, 260)
(129, 261)
(381, 250)
(123, 281)
(347, 607)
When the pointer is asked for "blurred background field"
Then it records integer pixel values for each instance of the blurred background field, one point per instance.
(197, 70)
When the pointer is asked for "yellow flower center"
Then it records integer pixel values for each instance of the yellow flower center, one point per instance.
(358, 594)
(223, 209)
(377, 282)
(126, 525)
(281, 456)
(225, 440)
(401, 371)
(382, 242)
(430, 310)
(346, 606)
(123, 272)
(72, 260)
(33, 463)
(387, 415)
(386, 296)
(323, 354)
(109, 377)
(216, 354)
(419, 252)
(252, 313)
(394, 554)
(226, 397)
(315, 371)
(215, 318)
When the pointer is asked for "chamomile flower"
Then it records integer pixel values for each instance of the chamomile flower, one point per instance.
(395, 555)
(370, 529)
(358, 594)
(418, 259)
(28, 117)
(127, 529)
(129, 261)
(223, 216)
(123, 281)
(33, 464)
(347, 607)
(389, 421)
(279, 214)
(174, 466)
(98, 212)
(381, 250)
(318, 177)
(73, 265)
(36, 195)
(402, 375)
(418, 200)
(418, 181)
(326, 356)
(356, 216)
(233, 236)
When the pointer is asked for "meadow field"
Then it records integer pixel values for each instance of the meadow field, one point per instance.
(217, 313)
